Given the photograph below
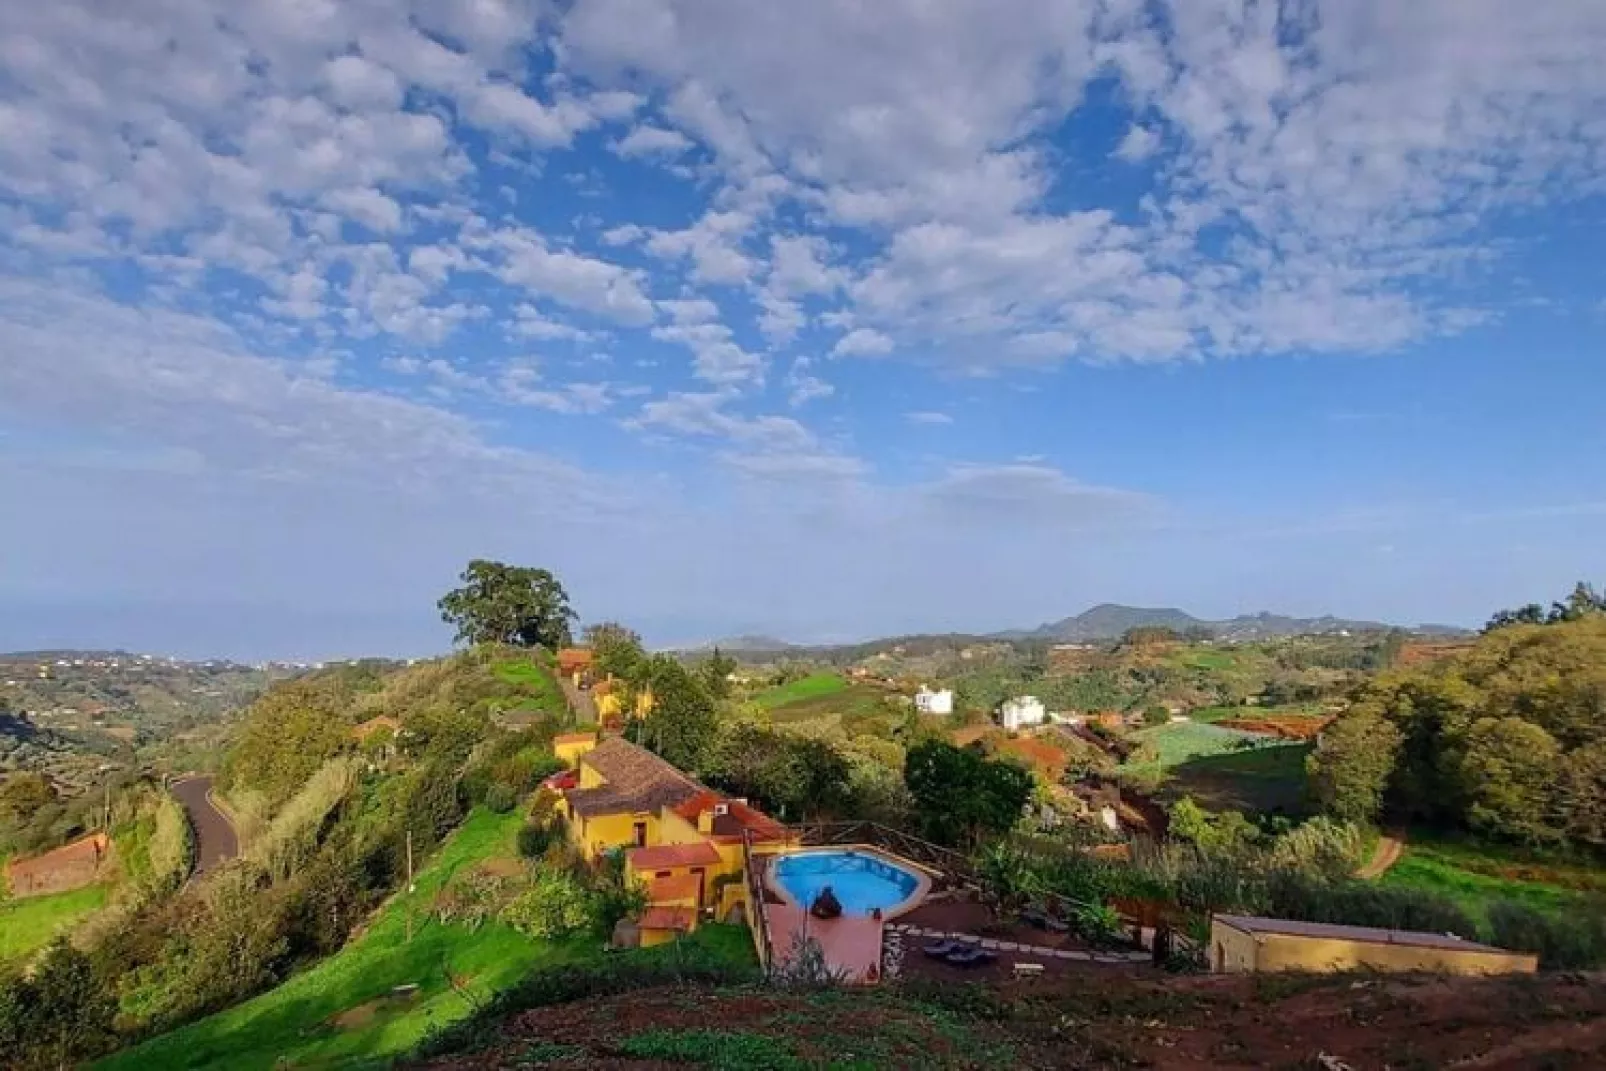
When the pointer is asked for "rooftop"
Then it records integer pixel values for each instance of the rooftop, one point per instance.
(668, 856)
(667, 918)
(635, 779)
(1365, 934)
(681, 887)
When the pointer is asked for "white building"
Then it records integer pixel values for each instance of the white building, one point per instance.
(1021, 711)
(930, 702)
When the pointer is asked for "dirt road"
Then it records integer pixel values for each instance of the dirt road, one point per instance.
(215, 841)
(1385, 855)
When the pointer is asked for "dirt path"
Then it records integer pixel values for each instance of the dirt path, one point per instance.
(215, 840)
(1386, 854)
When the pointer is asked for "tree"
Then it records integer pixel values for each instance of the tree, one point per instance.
(1507, 772)
(683, 726)
(58, 1016)
(1228, 831)
(617, 649)
(714, 673)
(508, 604)
(1583, 795)
(789, 776)
(962, 796)
(1351, 769)
(1156, 714)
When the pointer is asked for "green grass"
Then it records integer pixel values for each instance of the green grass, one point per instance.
(537, 681)
(1266, 779)
(814, 686)
(1474, 875)
(29, 924)
(293, 1023)
(1182, 741)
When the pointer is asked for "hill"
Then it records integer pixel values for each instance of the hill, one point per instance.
(1109, 621)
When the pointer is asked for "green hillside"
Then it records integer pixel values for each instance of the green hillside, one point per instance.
(341, 1011)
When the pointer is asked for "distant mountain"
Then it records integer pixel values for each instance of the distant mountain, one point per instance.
(731, 644)
(1109, 621)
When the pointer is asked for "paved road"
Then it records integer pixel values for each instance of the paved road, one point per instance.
(215, 841)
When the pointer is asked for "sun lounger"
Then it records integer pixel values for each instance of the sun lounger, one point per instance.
(1027, 970)
(970, 957)
(944, 948)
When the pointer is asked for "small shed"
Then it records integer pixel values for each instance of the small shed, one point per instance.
(1242, 944)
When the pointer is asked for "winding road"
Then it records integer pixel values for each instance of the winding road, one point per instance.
(215, 840)
(1389, 848)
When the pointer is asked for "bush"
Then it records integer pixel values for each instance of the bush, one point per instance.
(1099, 925)
(1575, 943)
(557, 905)
(535, 837)
(1292, 895)
(500, 798)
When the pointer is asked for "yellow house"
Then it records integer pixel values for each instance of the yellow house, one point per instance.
(682, 840)
(570, 746)
(1242, 944)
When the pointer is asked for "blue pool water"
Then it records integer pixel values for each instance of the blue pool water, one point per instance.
(861, 882)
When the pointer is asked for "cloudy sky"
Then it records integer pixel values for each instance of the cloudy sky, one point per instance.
(824, 319)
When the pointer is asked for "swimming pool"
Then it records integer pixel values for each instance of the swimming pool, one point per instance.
(861, 879)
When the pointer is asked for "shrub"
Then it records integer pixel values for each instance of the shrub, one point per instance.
(1321, 847)
(1292, 895)
(500, 798)
(1574, 943)
(1098, 925)
(474, 898)
(536, 836)
(557, 905)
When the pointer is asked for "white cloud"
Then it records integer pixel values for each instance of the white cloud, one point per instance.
(570, 278)
(1138, 145)
(928, 417)
(803, 386)
(862, 342)
(652, 141)
(712, 244)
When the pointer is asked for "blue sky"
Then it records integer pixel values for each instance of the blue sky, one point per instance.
(824, 320)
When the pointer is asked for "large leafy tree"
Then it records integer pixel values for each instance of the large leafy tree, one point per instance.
(1508, 771)
(510, 604)
(617, 649)
(961, 796)
(792, 777)
(683, 726)
(1351, 769)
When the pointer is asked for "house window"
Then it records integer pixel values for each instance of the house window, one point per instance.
(639, 834)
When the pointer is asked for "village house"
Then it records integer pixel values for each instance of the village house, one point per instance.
(575, 663)
(681, 840)
(934, 702)
(1023, 710)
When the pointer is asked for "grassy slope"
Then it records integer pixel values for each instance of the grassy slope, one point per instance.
(1474, 875)
(292, 1022)
(537, 680)
(1182, 741)
(29, 924)
(813, 686)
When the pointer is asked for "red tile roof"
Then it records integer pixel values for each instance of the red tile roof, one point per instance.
(573, 658)
(667, 918)
(681, 887)
(573, 738)
(634, 781)
(669, 856)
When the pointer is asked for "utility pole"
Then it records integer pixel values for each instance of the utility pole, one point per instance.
(409, 886)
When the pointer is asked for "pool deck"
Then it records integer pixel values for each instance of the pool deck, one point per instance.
(851, 944)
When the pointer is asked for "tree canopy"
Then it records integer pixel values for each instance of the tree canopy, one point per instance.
(510, 604)
(961, 795)
(1507, 739)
